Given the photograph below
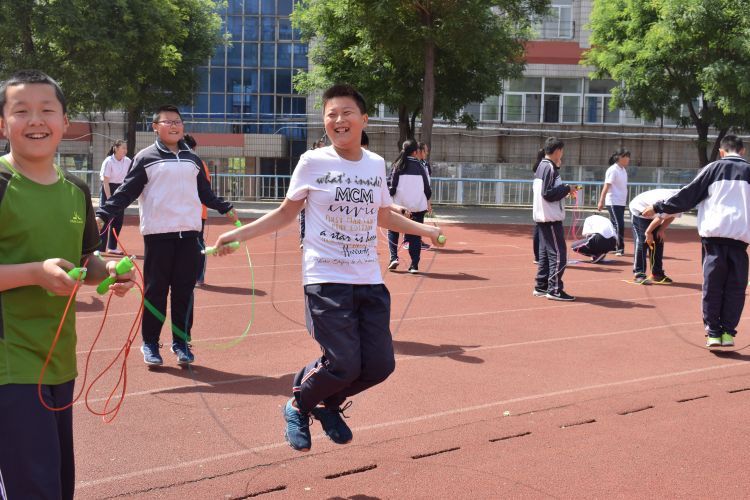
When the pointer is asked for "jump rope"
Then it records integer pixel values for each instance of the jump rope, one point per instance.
(123, 266)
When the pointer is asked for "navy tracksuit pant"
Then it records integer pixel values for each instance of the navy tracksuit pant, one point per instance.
(171, 266)
(617, 216)
(594, 244)
(725, 269)
(642, 253)
(553, 256)
(351, 323)
(36, 444)
(415, 241)
(114, 226)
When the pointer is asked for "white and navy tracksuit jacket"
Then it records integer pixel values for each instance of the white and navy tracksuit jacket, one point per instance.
(170, 188)
(549, 214)
(410, 188)
(721, 191)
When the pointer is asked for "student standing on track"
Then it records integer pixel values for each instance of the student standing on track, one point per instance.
(347, 306)
(410, 188)
(169, 181)
(722, 193)
(114, 168)
(549, 214)
(615, 194)
(47, 228)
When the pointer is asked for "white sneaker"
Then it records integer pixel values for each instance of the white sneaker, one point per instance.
(393, 265)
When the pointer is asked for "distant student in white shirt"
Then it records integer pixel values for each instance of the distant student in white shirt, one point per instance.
(114, 168)
(615, 194)
(648, 236)
(599, 238)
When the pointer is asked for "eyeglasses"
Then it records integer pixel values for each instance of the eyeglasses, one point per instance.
(170, 122)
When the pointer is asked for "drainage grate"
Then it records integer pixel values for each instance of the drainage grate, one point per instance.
(505, 438)
(433, 453)
(574, 424)
(635, 410)
(352, 471)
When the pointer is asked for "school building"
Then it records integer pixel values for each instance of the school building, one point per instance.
(248, 119)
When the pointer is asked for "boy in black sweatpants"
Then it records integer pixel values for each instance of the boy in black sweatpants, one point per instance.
(169, 179)
(722, 193)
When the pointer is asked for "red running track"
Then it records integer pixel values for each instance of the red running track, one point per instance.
(496, 393)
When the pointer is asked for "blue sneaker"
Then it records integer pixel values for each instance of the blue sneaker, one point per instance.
(151, 354)
(333, 425)
(297, 432)
(183, 353)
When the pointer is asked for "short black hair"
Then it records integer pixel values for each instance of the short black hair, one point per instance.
(365, 140)
(165, 108)
(190, 141)
(25, 76)
(344, 90)
(731, 144)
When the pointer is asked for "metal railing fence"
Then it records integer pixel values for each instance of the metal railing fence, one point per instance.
(445, 190)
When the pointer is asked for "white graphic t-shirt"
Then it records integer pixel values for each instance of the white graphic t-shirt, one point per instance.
(341, 215)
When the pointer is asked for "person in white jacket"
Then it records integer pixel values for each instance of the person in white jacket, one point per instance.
(549, 214)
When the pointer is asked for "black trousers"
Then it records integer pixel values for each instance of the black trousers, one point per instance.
(617, 216)
(36, 444)
(642, 253)
(171, 267)
(108, 240)
(351, 323)
(553, 256)
(725, 268)
(594, 244)
(415, 242)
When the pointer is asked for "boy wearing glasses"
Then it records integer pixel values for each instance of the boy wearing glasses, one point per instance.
(167, 178)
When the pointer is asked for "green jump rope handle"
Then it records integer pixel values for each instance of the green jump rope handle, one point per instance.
(212, 250)
(122, 267)
(441, 239)
(77, 273)
(238, 223)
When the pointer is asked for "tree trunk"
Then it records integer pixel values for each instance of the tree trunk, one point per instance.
(428, 85)
(702, 143)
(133, 117)
(404, 130)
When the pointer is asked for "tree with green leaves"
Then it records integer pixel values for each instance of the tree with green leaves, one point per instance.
(419, 57)
(125, 54)
(682, 59)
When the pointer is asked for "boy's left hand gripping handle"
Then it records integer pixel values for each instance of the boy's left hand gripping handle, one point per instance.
(124, 266)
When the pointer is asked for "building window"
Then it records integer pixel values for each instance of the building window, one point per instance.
(558, 24)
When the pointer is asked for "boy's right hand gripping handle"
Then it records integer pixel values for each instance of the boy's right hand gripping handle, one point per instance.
(122, 267)
(212, 250)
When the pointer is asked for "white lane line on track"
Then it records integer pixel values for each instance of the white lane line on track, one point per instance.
(411, 420)
(556, 305)
(402, 358)
(452, 290)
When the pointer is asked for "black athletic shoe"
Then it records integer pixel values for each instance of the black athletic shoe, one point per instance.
(539, 292)
(561, 295)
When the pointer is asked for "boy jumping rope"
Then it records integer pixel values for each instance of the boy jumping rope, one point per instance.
(722, 193)
(347, 306)
(47, 228)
